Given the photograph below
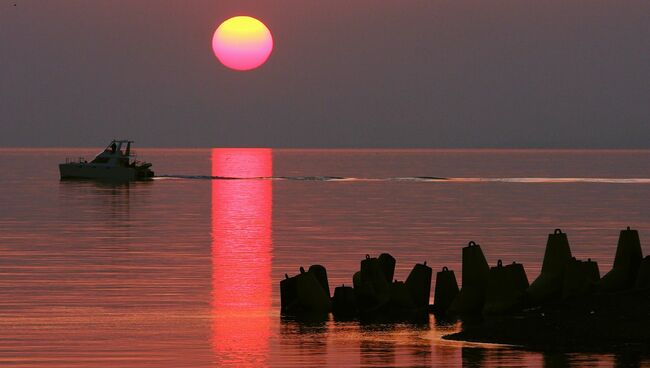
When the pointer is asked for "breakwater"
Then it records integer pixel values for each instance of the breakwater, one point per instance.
(497, 303)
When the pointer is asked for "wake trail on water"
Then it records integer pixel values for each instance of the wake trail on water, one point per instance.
(432, 179)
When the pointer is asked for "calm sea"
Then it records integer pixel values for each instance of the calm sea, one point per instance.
(184, 271)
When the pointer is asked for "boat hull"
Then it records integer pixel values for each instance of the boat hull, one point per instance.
(97, 172)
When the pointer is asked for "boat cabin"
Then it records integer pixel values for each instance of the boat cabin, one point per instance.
(117, 153)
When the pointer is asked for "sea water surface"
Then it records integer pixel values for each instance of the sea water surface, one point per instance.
(184, 270)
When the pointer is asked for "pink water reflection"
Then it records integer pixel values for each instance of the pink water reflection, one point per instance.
(241, 256)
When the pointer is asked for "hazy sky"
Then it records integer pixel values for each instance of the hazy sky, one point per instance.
(372, 73)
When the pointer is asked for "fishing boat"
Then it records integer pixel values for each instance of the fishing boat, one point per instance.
(116, 163)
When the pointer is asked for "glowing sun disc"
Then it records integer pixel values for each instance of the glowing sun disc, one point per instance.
(242, 43)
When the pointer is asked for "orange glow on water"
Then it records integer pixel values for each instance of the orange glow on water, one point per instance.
(242, 43)
(241, 256)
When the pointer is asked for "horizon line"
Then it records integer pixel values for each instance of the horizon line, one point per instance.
(566, 149)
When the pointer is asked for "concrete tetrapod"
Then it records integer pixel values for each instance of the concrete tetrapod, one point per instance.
(344, 304)
(321, 275)
(506, 288)
(370, 286)
(387, 266)
(303, 295)
(643, 277)
(548, 285)
(311, 295)
(623, 274)
(445, 292)
(418, 284)
(580, 278)
(288, 294)
(475, 272)
(400, 297)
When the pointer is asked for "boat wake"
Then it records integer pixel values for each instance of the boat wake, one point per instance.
(557, 180)
(417, 179)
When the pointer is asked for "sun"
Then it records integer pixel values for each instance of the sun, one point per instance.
(242, 43)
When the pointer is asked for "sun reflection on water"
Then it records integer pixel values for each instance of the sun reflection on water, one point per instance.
(241, 256)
